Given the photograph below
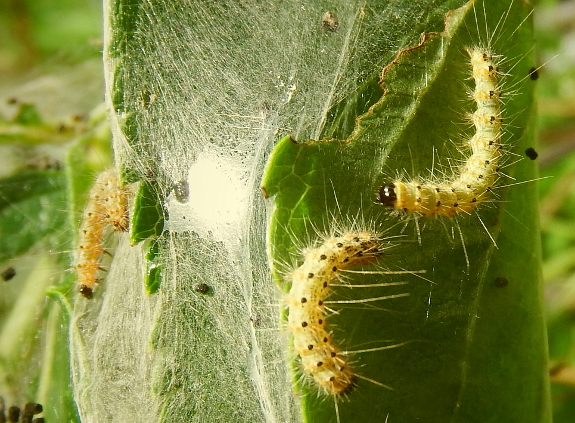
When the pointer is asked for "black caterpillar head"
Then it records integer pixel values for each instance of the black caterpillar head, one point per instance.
(386, 195)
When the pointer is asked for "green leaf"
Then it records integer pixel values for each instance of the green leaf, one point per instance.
(201, 92)
(153, 278)
(31, 204)
(148, 216)
(28, 115)
(478, 349)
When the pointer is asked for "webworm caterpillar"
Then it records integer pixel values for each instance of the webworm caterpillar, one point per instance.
(475, 178)
(115, 201)
(310, 287)
(308, 304)
(107, 205)
(498, 74)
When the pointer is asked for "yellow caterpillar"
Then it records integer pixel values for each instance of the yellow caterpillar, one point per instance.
(107, 205)
(306, 302)
(475, 178)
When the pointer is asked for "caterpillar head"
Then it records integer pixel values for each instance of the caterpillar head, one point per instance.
(386, 195)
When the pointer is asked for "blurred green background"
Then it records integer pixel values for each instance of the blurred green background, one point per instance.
(555, 29)
(53, 129)
(52, 88)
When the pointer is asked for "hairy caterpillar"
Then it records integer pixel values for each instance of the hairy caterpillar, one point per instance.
(477, 175)
(306, 302)
(107, 204)
(115, 201)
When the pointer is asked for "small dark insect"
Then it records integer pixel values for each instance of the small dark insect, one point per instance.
(150, 176)
(8, 274)
(257, 321)
(182, 191)
(147, 99)
(329, 22)
(531, 153)
(501, 282)
(533, 73)
(202, 288)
